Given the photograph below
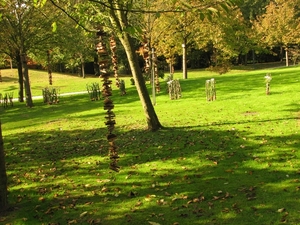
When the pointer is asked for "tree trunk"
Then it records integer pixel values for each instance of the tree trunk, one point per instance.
(3, 176)
(151, 117)
(120, 22)
(286, 57)
(82, 66)
(28, 96)
(184, 64)
(20, 80)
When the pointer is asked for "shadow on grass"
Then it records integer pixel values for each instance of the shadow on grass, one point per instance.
(189, 175)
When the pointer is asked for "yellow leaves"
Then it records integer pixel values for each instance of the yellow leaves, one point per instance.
(83, 214)
(281, 210)
(150, 197)
(139, 203)
(153, 223)
(161, 202)
(42, 199)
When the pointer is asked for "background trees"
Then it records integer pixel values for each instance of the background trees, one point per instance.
(26, 29)
(279, 26)
(190, 33)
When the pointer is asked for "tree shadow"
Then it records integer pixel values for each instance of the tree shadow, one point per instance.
(195, 175)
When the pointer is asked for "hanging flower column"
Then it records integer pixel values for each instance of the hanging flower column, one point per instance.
(114, 59)
(49, 66)
(106, 90)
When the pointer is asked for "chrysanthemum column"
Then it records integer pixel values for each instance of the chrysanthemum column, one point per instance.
(104, 62)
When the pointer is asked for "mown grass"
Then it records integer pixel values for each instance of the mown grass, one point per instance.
(231, 161)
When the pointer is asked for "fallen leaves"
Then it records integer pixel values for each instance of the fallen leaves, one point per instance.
(153, 223)
(249, 192)
(281, 210)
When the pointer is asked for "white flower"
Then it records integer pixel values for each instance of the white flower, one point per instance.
(268, 78)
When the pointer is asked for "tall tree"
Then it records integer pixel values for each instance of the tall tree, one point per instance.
(192, 28)
(3, 176)
(120, 22)
(279, 26)
(116, 17)
(25, 28)
(120, 17)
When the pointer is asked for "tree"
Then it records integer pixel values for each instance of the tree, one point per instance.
(25, 29)
(3, 176)
(279, 26)
(115, 17)
(196, 27)
(120, 18)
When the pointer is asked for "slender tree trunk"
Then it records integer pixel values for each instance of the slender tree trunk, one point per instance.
(82, 66)
(120, 22)
(28, 96)
(3, 176)
(11, 63)
(20, 76)
(184, 64)
(286, 57)
(151, 117)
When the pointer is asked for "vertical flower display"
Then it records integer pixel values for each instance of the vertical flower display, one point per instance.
(104, 63)
(268, 79)
(210, 89)
(49, 66)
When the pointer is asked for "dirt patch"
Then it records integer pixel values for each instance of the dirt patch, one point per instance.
(249, 113)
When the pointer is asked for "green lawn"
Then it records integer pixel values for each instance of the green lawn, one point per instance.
(231, 161)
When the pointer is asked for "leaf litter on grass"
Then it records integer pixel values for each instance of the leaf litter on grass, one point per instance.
(220, 169)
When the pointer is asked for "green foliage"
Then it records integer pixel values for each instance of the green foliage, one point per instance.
(54, 26)
(50, 95)
(122, 87)
(94, 91)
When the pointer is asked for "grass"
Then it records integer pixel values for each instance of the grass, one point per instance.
(231, 161)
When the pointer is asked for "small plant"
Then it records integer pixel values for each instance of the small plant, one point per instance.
(6, 99)
(94, 91)
(122, 87)
(132, 81)
(268, 79)
(50, 95)
(174, 89)
(169, 77)
(210, 89)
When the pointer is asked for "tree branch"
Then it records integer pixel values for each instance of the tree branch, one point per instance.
(199, 7)
(71, 17)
